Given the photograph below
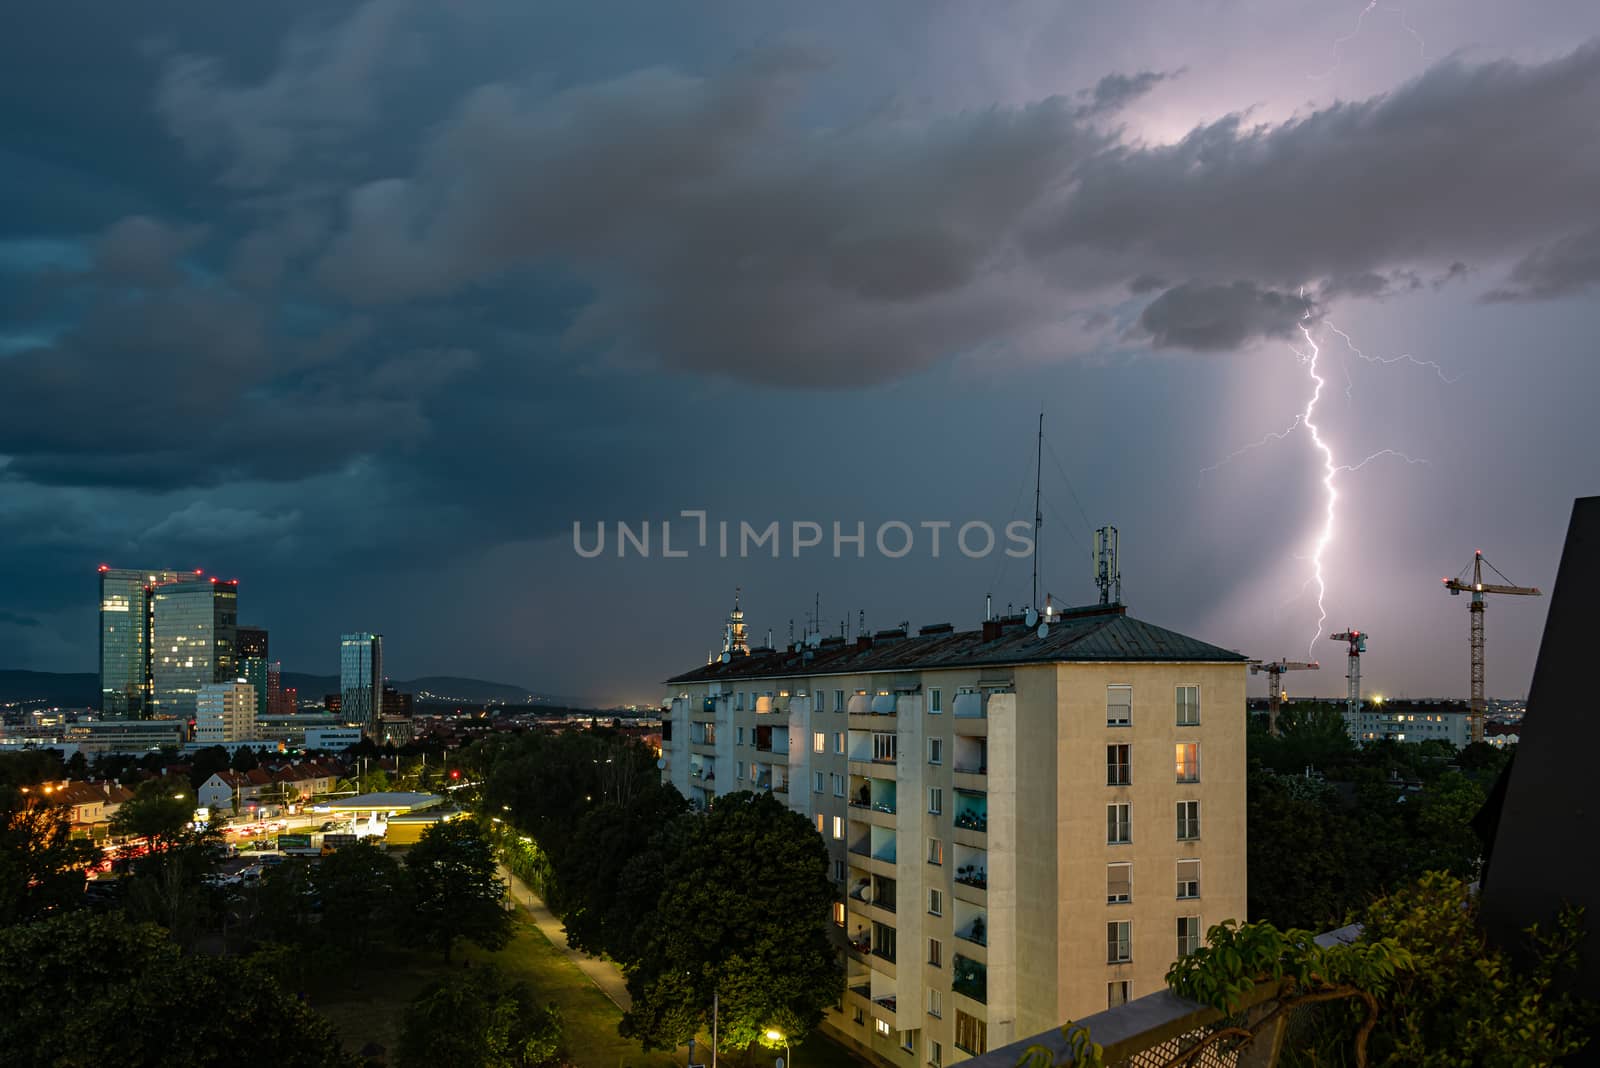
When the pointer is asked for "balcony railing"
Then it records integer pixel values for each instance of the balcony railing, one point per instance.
(973, 876)
(972, 769)
(972, 821)
(969, 978)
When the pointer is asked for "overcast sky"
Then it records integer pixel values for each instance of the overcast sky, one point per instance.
(367, 304)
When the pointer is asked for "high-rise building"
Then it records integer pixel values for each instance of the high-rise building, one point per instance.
(253, 642)
(361, 680)
(225, 712)
(126, 614)
(253, 669)
(1025, 823)
(194, 635)
(276, 706)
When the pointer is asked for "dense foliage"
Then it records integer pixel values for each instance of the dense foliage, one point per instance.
(1421, 986)
(86, 989)
(479, 1019)
(41, 865)
(457, 889)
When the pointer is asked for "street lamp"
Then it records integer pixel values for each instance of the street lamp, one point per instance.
(774, 1035)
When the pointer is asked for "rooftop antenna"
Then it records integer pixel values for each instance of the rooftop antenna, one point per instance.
(1038, 516)
(988, 607)
(1107, 572)
(861, 627)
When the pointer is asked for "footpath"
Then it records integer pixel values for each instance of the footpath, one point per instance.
(602, 973)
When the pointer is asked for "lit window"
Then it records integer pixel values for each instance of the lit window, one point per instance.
(1119, 706)
(838, 828)
(822, 824)
(1188, 704)
(819, 742)
(882, 1026)
(1187, 760)
(838, 913)
(885, 746)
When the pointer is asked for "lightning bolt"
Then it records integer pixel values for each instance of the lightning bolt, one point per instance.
(1340, 42)
(1404, 357)
(1330, 471)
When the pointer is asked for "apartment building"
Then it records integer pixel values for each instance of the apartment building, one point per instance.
(1026, 823)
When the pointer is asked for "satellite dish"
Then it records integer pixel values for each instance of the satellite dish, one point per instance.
(726, 656)
(661, 765)
(1043, 631)
(815, 639)
(1031, 617)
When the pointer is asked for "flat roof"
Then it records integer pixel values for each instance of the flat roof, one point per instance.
(408, 801)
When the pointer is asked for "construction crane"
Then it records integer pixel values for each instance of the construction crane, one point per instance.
(1274, 673)
(1357, 643)
(1477, 587)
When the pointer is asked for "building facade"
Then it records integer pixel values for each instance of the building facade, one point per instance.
(1414, 721)
(127, 606)
(194, 638)
(225, 712)
(1025, 825)
(361, 680)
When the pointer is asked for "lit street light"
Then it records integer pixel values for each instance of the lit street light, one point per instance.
(774, 1035)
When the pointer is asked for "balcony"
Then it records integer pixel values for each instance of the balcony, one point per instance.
(971, 755)
(972, 810)
(969, 978)
(972, 866)
(969, 705)
(971, 923)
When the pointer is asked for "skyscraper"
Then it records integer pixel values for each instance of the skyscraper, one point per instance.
(194, 641)
(126, 613)
(253, 642)
(253, 669)
(361, 680)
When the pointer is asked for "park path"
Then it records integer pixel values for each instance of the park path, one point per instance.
(602, 973)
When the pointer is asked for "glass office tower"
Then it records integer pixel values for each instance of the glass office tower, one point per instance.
(194, 641)
(253, 669)
(127, 606)
(361, 680)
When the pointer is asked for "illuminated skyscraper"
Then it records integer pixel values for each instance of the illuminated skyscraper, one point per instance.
(361, 680)
(126, 611)
(194, 631)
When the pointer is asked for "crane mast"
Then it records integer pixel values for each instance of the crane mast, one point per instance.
(1274, 671)
(1356, 641)
(1479, 589)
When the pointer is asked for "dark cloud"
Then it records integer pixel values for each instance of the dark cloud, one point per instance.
(16, 619)
(1215, 318)
(1561, 268)
(144, 251)
(1116, 91)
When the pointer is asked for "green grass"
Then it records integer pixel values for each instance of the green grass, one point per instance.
(366, 1003)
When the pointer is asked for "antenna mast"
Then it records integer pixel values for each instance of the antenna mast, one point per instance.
(1038, 516)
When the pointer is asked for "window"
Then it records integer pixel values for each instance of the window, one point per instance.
(738, 771)
(884, 746)
(1116, 993)
(935, 902)
(935, 800)
(838, 828)
(1119, 765)
(936, 851)
(883, 940)
(741, 736)
(1188, 701)
(838, 913)
(738, 701)
(1187, 761)
(1119, 706)
(935, 702)
(936, 750)
(822, 827)
(1188, 820)
(972, 1034)
(882, 1026)
(1188, 878)
(1119, 883)
(838, 700)
(816, 782)
(908, 1041)
(838, 871)
(838, 742)
(1119, 824)
(819, 742)
(860, 1017)
(838, 785)
(1188, 935)
(935, 1004)
(935, 953)
(934, 1052)
(1119, 942)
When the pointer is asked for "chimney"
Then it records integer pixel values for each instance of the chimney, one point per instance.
(863, 641)
(991, 629)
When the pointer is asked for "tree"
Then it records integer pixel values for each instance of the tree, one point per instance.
(364, 894)
(157, 812)
(206, 763)
(741, 913)
(457, 886)
(1420, 986)
(86, 989)
(244, 759)
(42, 867)
(479, 1019)
(600, 898)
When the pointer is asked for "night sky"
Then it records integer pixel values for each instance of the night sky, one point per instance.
(366, 304)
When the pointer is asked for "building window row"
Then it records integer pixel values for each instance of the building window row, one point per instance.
(1119, 705)
(1119, 939)
(1119, 822)
(1119, 881)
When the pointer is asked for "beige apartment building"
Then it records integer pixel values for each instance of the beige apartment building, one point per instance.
(1027, 823)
